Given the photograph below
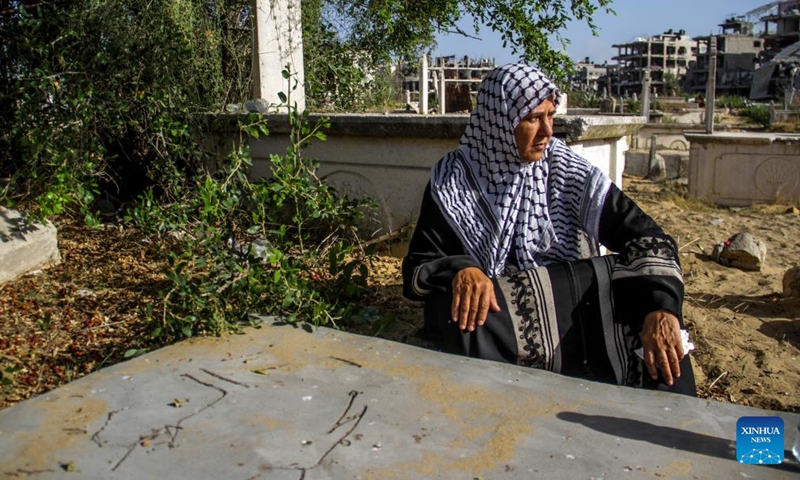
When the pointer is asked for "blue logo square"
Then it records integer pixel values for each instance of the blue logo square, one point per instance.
(759, 440)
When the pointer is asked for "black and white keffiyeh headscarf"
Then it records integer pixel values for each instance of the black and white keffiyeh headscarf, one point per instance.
(492, 199)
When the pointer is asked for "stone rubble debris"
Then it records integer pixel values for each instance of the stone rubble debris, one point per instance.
(742, 251)
(791, 282)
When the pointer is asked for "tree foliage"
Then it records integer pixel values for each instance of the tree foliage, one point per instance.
(672, 84)
(346, 42)
(386, 28)
(110, 100)
(104, 96)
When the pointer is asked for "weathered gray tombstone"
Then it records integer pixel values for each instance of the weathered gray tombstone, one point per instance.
(25, 248)
(608, 105)
(742, 251)
(772, 113)
(657, 169)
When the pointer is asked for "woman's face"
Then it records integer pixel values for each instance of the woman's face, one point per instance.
(534, 131)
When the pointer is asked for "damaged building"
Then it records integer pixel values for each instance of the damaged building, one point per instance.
(738, 50)
(670, 53)
(781, 24)
(777, 77)
(587, 75)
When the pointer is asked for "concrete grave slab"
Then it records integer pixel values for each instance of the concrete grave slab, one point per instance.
(282, 403)
(743, 168)
(25, 248)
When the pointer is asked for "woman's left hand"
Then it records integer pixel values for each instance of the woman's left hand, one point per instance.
(662, 345)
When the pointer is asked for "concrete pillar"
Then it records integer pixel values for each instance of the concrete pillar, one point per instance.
(423, 85)
(711, 85)
(619, 72)
(617, 159)
(646, 94)
(442, 93)
(278, 41)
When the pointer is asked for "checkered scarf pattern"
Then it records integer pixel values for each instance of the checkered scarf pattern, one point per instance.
(492, 199)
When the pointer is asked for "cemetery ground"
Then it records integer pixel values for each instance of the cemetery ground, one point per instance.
(67, 321)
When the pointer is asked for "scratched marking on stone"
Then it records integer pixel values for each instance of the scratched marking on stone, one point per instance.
(343, 440)
(349, 362)
(173, 430)
(339, 422)
(225, 379)
(170, 431)
(96, 435)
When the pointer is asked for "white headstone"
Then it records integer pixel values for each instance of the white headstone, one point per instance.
(278, 41)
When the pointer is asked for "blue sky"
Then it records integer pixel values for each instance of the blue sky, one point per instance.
(634, 18)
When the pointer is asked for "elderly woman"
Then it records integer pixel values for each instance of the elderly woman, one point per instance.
(505, 253)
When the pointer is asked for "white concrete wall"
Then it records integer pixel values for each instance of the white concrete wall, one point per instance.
(607, 154)
(745, 168)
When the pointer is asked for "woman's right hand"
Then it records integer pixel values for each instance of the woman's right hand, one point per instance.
(473, 297)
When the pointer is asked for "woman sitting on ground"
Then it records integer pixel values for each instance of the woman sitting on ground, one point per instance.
(505, 253)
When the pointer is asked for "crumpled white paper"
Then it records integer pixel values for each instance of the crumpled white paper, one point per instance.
(687, 345)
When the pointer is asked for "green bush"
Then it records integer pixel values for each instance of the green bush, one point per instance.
(672, 85)
(580, 99)
(757, 113)
(632, 106)
(734, 102)
(285, 246)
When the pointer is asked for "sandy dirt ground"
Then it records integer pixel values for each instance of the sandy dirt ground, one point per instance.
(747, 335)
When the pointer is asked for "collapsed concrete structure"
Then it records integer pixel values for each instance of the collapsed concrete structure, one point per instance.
(781, 26)
(738, 50)
(778, 78)
(587, 76)
(668, 53)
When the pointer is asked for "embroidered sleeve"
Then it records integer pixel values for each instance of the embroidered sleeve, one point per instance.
(647, 275)
(648, 256)
(435, 254)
